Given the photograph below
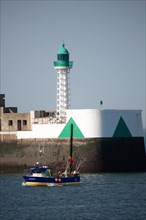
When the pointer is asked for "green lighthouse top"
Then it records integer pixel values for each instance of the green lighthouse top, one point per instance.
(62, 50)
(63, 58)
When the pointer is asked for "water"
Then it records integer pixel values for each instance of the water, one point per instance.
(99, 196)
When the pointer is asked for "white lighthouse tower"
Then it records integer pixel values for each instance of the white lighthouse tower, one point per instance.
(63, 66)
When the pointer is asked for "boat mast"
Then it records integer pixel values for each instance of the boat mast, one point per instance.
(71, 146)
(71, 140)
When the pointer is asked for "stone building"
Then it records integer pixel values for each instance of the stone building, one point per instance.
(11, 120)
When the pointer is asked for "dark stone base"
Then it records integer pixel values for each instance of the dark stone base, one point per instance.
(102, 154)
(117, 155)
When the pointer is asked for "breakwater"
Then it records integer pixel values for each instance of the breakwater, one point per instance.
(102, 154)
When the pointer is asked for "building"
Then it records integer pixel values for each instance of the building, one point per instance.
(11, 120)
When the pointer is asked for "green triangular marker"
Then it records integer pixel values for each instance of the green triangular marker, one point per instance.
(66, 131)
(122, 129)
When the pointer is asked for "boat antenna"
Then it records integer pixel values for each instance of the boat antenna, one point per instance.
(41, 153)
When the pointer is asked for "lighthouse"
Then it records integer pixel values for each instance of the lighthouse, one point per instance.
(63, 66)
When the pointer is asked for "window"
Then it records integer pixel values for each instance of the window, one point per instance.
(10, 123)
(24, 122)
(63, 57)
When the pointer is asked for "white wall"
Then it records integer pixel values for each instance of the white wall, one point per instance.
(42, 131)
(91, 122)
(102, 123)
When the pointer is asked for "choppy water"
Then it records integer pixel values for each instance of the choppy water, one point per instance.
(99, 196)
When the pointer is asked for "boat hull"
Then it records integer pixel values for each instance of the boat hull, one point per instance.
(50, 181)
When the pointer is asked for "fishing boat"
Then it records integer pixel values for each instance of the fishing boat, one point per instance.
(45, 176)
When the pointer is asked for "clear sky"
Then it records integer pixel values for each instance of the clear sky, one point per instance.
(106, 41)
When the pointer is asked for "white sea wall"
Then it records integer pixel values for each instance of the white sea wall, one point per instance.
(93, 123)
(41, 131)
(102, 123)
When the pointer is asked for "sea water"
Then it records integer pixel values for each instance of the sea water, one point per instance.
(116, 196)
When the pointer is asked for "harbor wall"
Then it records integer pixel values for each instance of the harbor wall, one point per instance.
(90, 123)
(102, 154)
(110, 140)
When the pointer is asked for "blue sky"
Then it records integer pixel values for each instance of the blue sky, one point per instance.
(106, 41)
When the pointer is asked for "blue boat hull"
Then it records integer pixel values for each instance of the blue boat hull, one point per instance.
(50, 181)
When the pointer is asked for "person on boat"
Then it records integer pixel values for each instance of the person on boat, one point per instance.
(71, 162)
(59, 172)
(48, 173)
